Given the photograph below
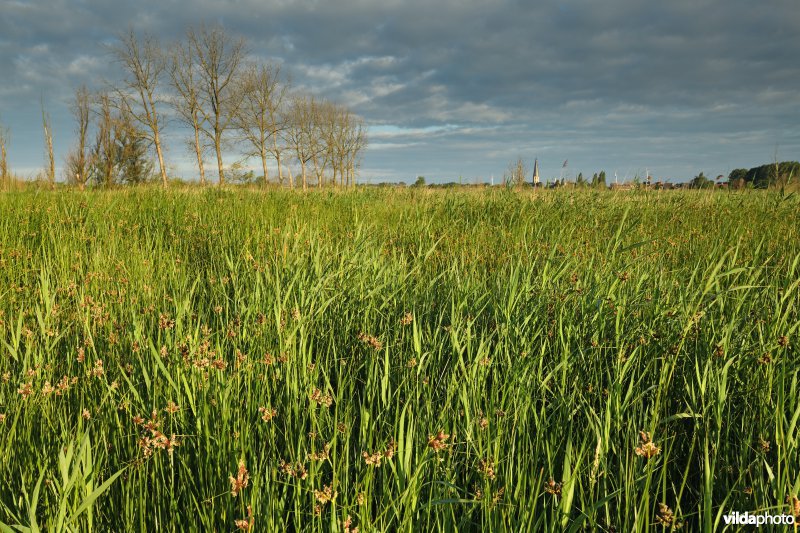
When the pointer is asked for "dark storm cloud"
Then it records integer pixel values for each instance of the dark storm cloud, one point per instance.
(461, 87)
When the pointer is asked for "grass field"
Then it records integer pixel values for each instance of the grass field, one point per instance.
(397, 360)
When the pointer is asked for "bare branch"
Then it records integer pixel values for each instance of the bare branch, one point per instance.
(144, 64)
(219, 57)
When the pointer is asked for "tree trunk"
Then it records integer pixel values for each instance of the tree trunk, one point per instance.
(51, 161)
(218, 148)
(303, 168)
(291, 180)
(4, 177)
(278, 159)
(317, 173)
(157, 142)
(199, 153)
(264, 166)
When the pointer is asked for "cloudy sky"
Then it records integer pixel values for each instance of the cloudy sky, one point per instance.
(459, 88)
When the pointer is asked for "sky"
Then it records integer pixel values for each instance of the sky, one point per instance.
(458, 89)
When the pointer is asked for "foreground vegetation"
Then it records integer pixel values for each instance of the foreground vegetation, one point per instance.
(397, 360)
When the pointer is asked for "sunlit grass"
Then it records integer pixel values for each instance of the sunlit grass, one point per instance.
(397, 360)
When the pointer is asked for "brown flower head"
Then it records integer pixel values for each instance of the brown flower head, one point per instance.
(347, 525)
(372, 459)
(370, 340)
(794, 502)
(666, 517)
(486, 467)
(241, 480)
(551, 487)
(325, 495)
(26, 389)
(319, 398)
(647, 449)
(267, 414)
(438, 441)
(245, 524)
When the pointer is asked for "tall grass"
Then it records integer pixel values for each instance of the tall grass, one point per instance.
(397, 360)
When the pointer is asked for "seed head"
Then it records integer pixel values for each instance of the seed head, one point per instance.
(666, 517)
(647, 449)
(795, 506)
(370, 340)
(347, 525)
(245, 524)
(26, 389)
(241, 480)
(319, 398)
(486, 467)
(763, 444)
(551, 487)
(389, 453)
(372, 459)
(267, 414)
(438, 441)
(325, 495)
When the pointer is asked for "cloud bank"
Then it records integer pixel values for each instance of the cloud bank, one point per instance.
(459, 88)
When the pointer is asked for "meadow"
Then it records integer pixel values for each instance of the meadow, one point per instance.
(397, 360)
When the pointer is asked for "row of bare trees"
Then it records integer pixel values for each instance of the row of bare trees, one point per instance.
(222, 100)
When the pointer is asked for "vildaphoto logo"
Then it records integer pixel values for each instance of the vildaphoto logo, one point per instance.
(746, 519)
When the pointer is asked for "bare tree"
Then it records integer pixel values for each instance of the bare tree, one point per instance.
(301, 132)
(184, 79)
(354, 144)
(50, 170)
(280, 123)
(515, 174)
(103, 158)
(336, 123)
(77, 160)
(219, 57)
(323, 118)
(345, 139)
(258, 118)
(145, 65)
(120, 152)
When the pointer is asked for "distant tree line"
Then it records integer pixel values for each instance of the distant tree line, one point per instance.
(764, 176)
(222, 100)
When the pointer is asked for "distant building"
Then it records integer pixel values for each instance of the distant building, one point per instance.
(536, 182)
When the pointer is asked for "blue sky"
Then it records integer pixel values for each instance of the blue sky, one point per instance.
(458, 89)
